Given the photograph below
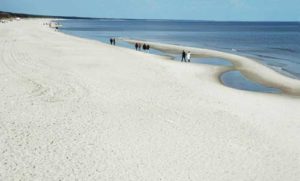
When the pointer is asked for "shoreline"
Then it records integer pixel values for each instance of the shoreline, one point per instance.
(224, 70)
(251, 68)
(79, 109)
(292, 87)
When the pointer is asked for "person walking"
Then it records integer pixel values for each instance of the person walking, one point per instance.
(136, 46)
(148, 48)
(144, 46)
(183, 56)
(188, 56)
(111, 41)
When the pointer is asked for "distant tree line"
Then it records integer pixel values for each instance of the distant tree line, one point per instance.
(7, 15)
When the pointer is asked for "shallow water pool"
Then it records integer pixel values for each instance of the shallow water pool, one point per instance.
(237, 80)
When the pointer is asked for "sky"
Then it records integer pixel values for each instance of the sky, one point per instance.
(219, 10)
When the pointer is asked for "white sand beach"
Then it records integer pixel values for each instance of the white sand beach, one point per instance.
(251, 68)
(76, 109)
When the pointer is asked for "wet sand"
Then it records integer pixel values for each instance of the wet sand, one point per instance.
(251, 68)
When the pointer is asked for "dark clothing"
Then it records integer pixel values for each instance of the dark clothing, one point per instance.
(111, 41)
(183, 57)
(136, 46)
(144, 47)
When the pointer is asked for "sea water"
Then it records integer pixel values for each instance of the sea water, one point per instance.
(275, 44)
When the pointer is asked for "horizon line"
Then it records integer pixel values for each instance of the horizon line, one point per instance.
(153, 19)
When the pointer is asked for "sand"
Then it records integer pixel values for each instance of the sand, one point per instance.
(75, 109)
(251, 68)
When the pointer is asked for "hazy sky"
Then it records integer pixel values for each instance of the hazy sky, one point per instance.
(247, 10)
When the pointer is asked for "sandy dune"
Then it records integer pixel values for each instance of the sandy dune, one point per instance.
(78, 109)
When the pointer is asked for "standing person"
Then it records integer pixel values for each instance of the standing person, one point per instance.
(148, 48)
(136, 46)
(183, 56)
(114, 41)
(188, 56)
(111, 41)
(144, 46)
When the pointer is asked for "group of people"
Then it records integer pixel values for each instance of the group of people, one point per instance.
(112, 41)
(138, 46)
(186, 56)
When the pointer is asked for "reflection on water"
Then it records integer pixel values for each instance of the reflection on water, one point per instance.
(237, 80)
